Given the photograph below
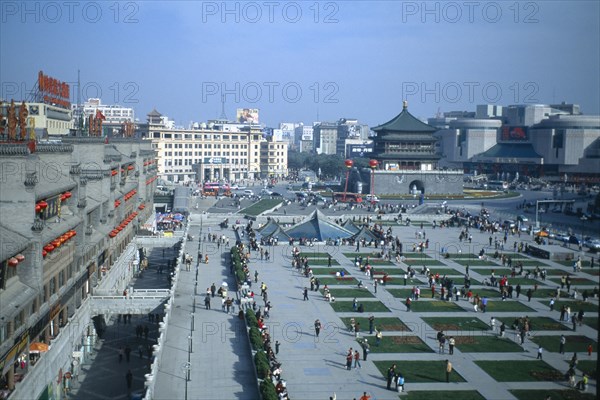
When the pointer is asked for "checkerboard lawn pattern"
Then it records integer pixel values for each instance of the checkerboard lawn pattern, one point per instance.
(397, 344)
(456, 323)
(520, 371)
(329, 271)
(537, 324)
(544, 293)
(576, 281)
(386, 324)
(571, 394)
(372, 256)
(486, 344)
(420, 262)
(358, 293)
(445, 271)
(315, 254)
(594, 271)
(489, 293)
(420, 371)
(416, 255)
(435, 306)
(443, 394)
(369, 306)
(506, 306)
(321, 261)
(575, 305)
(346, 280)
(389, 271)
(402, 293)
(475, 262)
(575, 343)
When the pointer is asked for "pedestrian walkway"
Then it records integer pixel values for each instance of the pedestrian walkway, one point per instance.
(219, 357)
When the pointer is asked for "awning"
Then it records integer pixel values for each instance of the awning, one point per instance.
(15, 298)
(11, 243)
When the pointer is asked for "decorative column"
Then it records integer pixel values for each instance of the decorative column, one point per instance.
(373, 164)
(349, 163)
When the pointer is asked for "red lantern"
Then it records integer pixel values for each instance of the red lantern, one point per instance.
(68, 195)
(114, 172)
(373, 164)
(130, 167)
(112, 234)
(56, 243)
(44, 253)
(43, 204)
(38, 208)
(12, 262)
(20, 257)
(349, 163)
(49, 248)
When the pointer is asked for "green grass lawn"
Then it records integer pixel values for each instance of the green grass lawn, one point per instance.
(415, 262)
(575, 343)
(544, 293)
(520, 371)
(575, 305)
(572, 394)
(531, 263)
(443, 394)
(592, 322)
(445, 271)
(400, 293)
(315, 254)
(502, 306)
(584, 263)
(594, 271)
(416, 255)
(588, 366)
(537, 324)
(390, 271)
(576, 281)
(522, 282)
(369, 306)
(260, 207)
(386, 324)
(321, 261)
(435, 306)
(464, 256)
(355, 292)
(486, 344)
(398, 344)
(376, 262)
(347, 280)
(420, 371)
(371, 255)
(489, 293)
(329, 271)
(456, 323)
(473, 263)
(499, 272)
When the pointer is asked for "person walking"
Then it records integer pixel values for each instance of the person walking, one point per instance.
(400, 382)
(305, 293)
(451, 343)
(561, 348)
(317, 327)
(367, 349)
(357, 359)
(121, 352)
(277, 344)
(349, 360)
(391, 373)
(127, 352)
(539, 353)
(448, 370)
(371, 324)
(129, 379)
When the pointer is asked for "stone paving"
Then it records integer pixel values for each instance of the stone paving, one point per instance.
(221, 364)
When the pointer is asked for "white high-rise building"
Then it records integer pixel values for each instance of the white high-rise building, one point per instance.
(114, 113)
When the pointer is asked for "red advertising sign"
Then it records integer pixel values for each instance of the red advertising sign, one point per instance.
(53, 91)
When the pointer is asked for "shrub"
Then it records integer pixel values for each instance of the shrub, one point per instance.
(268, 390)
(256, 339)
(262, 365)
(251, 318)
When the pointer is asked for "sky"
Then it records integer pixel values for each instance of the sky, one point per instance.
(306, 61)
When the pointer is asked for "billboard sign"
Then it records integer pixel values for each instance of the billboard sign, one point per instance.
(53, 91)
(247, 115)
(514, 134)
(359, 150)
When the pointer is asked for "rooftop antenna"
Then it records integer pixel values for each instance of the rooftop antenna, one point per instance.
(79, 109)
(223, 115)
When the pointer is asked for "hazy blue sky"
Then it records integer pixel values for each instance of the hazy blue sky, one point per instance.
(297, 60)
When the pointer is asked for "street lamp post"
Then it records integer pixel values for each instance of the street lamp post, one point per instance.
(349, 163)
(583, 219)
(373, 164)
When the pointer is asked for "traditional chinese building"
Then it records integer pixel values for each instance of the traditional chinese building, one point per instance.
(405, 143)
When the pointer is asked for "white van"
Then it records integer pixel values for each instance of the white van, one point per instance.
(372, 198)
(248, 192)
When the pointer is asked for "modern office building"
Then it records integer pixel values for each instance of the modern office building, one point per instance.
(45, 119)
(325, 135)
(70, 208)
(218, 150)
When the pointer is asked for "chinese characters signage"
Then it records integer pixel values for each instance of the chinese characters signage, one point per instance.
(53, 91)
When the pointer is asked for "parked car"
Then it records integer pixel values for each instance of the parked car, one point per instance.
(592, 244)
(522, 218)
(276, 194)
(371, 198)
